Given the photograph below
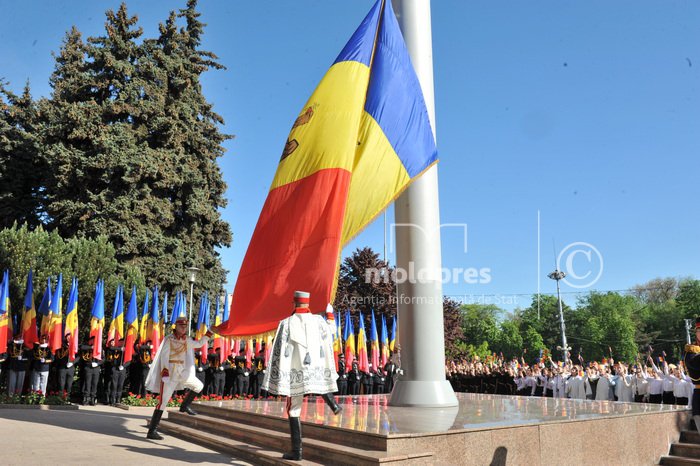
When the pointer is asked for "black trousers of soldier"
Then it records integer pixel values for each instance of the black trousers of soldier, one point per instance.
(92, 378)
(255, 384)
(242, 385)
(218, 382)
(65, 379)
(115, 388)
(142, 381)
(342, 387)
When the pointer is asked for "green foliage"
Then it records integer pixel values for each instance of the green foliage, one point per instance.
(22, 164)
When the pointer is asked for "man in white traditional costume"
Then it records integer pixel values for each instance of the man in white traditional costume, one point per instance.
(174, 369)
(302, 363)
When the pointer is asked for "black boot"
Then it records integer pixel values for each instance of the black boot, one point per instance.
(330, 401)
(295, 427)
(153, 425)
(185, 406)
(85, 400)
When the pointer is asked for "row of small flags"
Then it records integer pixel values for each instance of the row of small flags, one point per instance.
(151, 325)
(357, 348)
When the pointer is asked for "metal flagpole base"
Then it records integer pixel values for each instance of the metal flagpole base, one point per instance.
(423, 393)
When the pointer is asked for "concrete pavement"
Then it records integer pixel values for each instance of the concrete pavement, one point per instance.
(93, 435)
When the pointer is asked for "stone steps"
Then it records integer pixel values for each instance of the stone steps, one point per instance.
(685, 452)
(262, 439)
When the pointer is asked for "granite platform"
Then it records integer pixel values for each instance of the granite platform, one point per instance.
(483, 429)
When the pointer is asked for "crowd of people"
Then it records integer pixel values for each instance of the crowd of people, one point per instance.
(606, 380)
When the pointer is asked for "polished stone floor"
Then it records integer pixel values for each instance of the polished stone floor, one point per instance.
(372, 414)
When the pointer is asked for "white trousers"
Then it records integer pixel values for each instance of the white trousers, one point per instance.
(39, 381)
(167, 388)
(294, 405)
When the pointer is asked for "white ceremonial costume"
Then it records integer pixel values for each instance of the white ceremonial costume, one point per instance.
(177, 356)
(302, 357)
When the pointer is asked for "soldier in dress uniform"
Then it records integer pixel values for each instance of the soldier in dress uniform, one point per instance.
(242, 374)
(200, 366)
(379, 380)
(692, 365)
(354, 379)
(20, 356)
(41, 362)
(145, 361)
(258, 374)
(91, 372)
(229, 369)
(368, 381)
(65, 368)
(217, 372)
(390, 371)
(116, 372)
(342, 376)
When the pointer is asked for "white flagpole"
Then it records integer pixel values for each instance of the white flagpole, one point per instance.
(417, 217)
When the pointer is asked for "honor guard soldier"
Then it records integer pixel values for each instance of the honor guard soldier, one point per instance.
(354, 379)
(216, 371)
(258, 373)
(342, 376)
(200, 366)
(692, 364)
(390, 369)
(367, 381)
(229, 368)
(65, 368)
(145, 361)
(242, 374)
(116, 371)
(91, 372)
(379, 381)
(41, 361)
(18, 365)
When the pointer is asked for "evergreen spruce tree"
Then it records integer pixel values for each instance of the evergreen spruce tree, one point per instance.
(22, 165)
(186, 134)
(133, 148)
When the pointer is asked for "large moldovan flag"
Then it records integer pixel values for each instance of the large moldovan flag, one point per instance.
(363, 136)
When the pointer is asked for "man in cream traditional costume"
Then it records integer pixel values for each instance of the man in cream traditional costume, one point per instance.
(691, 359)
(302, 363)
(174, 369)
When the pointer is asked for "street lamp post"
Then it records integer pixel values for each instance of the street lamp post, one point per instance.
(688, 326)
(558, 275)
(192, 278)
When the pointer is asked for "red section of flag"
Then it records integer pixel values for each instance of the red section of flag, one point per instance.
(295, 246)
